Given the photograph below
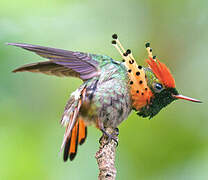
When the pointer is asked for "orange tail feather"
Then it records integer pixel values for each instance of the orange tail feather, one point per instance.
(82, 131)
(79, 133)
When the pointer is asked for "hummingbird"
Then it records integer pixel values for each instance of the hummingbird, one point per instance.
(110, 90)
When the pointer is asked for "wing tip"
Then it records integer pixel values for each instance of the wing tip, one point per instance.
(20, 69)
(15, 70)
(22, 45)
(12, 44)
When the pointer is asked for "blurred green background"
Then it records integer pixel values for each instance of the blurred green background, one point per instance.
(173, 145)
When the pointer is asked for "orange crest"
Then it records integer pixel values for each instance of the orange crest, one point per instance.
(161, 72)
(159, 69)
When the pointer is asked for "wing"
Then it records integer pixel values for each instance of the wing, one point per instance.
(49, 68)
(61, 62)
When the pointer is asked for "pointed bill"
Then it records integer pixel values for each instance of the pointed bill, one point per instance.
(186, 98)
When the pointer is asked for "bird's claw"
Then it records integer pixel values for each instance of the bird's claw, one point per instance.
(112, 136)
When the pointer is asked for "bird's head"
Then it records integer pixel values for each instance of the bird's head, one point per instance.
(152, 88)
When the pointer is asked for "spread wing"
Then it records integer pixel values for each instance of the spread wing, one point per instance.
(61, 62)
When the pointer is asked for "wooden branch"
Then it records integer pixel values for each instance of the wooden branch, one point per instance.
(106, 157)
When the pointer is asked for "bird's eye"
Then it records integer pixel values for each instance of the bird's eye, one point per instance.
(158, 87)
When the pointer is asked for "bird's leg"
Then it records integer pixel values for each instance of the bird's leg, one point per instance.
(110, 136)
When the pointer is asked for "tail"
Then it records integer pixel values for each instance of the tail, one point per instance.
(76, 130)
(78, 136)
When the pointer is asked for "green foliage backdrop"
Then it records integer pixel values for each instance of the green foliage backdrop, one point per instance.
(173, 145)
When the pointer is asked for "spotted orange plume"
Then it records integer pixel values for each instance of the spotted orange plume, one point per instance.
(139, 90)
(161, 72)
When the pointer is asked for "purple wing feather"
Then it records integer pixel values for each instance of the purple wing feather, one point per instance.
(78, 64)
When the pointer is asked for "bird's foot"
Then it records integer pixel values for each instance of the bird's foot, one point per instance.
(112, 136)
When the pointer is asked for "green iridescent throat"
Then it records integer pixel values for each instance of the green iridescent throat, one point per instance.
(159, 101)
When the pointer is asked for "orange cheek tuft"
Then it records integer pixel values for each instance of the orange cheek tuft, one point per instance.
(140, 92)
